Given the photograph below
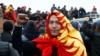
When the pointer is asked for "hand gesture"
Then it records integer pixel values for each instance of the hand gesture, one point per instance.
(21, 19)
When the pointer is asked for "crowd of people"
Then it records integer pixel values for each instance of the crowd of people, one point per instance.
(71, 13)
(48, 33)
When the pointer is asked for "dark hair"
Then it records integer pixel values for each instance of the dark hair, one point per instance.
(30, 31)
(7, 26)
(30, 25)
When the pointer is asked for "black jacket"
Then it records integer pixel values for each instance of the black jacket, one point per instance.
(28, 48)
(6, 36)
(94, 39)
(6, 49)
(96, 44)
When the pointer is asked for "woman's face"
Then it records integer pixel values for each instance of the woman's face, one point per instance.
(54, 25)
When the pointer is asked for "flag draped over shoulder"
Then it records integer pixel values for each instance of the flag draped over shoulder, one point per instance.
(13, 14)
(68, 43)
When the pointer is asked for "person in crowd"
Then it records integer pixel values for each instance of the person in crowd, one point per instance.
(70, 13)
(3, 7)
(75, 13)
(28, 12)
(61, 38)
(44, 15)
(59, 9)
(82, 12)
(18, 10)
(7, 29)
(25, 48)
(94, 9)
(6, 48)
(64, 11)
(30, 31)
(23, 9)
(93, 34)
(53, 7)
(37, 22)
(10, 13)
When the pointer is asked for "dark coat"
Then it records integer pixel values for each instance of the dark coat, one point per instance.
(6, 36)
(87, 34)
(28, 48)
(96, 44)
(94, 37)
(6, 49)
(30, 31)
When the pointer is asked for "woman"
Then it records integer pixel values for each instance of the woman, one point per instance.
(60, 39)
